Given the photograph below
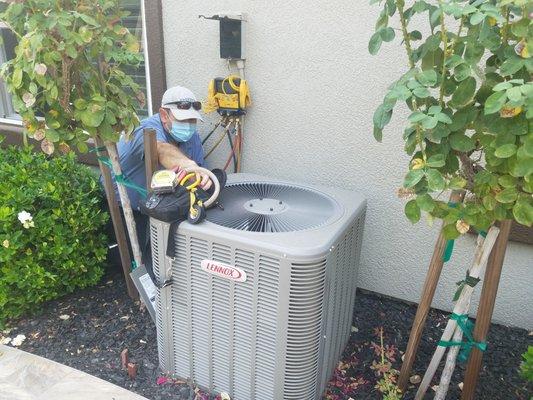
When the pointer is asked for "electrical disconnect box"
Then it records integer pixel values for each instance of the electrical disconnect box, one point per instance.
(231, 34)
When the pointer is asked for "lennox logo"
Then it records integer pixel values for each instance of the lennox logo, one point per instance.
(223, 270)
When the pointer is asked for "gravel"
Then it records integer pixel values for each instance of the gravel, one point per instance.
(102, 322)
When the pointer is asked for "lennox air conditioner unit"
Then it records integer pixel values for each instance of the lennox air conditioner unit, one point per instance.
(262, 293)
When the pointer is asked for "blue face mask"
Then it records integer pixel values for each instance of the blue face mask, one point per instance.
(182, 131)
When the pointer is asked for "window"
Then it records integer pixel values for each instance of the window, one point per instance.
(134, 22)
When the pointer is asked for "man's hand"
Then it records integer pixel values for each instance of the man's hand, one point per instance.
(171, 157)
(205, 181)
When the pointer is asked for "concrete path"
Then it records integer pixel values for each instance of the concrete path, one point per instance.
(24, 376)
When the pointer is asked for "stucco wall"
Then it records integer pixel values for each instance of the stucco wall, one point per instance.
(314, 88)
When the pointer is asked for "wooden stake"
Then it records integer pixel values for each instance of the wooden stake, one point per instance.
(428, 291)
(125, 201)
(151, 160)
(486, 307)
(118, 227)
(483, 249)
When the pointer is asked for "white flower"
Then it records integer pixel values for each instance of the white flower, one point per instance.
(28, 99)
(17, 341)
(25, 219)
(5, 243)
(40, 69)
(64, 317)
(5, 340)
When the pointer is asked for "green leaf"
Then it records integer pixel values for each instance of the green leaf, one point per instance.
(430, 122)
(421, 92)
(523, 211)
(436, 161)
(444, 118)
(413, 177)
(427, 78)
(507, 195)
(378, 134)
(375, 43)
(511, 66)
(464, 93)
(88, 20)
(450, 232)
(495, 102)
(460, 142)
(71, 51)
(425, 202)
(457, 182)
(502, 86)
(412, 211)
(52, 135)
(514, 93)
(86, 34)
(507, 181)
(80, 104)
(489, 202)
(473, 53)
(476, 18)
(435, 180)
(382, 116)
(528, 146)
(416, 117)
(387, 34)
(461, 72)
(505, 151)
(17, 78)
(92, 118)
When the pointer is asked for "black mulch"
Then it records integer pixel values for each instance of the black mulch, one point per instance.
(103, 321)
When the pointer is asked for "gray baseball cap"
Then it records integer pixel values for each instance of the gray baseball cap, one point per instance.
(179, 93)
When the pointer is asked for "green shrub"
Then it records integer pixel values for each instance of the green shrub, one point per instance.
(62, 246)
(526, 367)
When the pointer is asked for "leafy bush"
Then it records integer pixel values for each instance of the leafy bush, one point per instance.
(469, 91)
(526, 367)
(51, 239)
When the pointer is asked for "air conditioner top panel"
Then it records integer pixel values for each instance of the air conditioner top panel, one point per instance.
(294, 220)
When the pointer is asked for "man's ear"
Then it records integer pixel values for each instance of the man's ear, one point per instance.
(163, 114)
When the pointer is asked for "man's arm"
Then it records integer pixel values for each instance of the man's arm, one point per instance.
(171, 156)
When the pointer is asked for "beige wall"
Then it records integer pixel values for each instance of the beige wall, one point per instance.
(314, 88)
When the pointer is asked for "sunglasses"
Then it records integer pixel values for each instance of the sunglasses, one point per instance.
(186, 105)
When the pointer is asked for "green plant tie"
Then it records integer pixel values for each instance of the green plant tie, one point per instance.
(97, 150)
(466, 347)
(133, 265)
(469, 280)
(121, 179)
(448, 250)
(483, 233)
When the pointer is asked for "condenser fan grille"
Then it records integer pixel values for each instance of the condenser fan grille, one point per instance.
(272, 207)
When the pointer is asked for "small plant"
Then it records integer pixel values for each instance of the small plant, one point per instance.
(526, 366)
(51, 222)
(383, 369)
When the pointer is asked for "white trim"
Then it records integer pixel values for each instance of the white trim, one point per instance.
(146, 60)
(11, 121)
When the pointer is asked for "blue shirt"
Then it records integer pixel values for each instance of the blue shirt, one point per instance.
(131, 154)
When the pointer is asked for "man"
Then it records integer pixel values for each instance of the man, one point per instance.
(178, 142)
(178, 145)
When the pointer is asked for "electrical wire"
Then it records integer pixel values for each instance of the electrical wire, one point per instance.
(232, 151)
(219, 140)
(212, 131)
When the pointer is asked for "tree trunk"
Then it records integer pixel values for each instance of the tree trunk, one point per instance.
(125, 202)
(483, 249)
